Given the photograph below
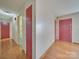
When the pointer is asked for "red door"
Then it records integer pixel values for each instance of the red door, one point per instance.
(29, 32)
(65, 30)
(5, 30)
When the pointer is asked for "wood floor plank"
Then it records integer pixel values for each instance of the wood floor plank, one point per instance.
(10, 50)
(62, 50)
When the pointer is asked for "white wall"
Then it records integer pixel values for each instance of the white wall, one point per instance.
(45, 25)
(75, 27)
(24, 35)
(14, 31)
(22, 12)
(45, 16)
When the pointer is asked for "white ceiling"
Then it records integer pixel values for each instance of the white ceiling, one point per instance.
(11, 6)
(62, 7)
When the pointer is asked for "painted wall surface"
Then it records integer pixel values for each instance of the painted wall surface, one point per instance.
(14, 30)
(75, 23)
(14, 25)
(45, 26)
(24, 35)
(62, 7)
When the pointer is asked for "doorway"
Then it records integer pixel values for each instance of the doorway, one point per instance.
(29, 32)
(5, 30)
(65, 30)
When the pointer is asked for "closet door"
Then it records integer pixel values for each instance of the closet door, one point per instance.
(5, 30)
(29, 32)
(65, 30)
(0, 30)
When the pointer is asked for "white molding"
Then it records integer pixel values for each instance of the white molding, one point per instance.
(10, 30)
(26, 6)
(0, 31)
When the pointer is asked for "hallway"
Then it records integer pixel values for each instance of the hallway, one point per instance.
(29, 27)
(16, 21)
(10, 50)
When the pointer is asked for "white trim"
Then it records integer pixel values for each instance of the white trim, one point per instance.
(10, 30)
(34, 29)
(0, 31)
(28, 4)
(67, 14)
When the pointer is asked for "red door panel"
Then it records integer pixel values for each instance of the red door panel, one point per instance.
(5, 30)
(29, 32)
(65, 30)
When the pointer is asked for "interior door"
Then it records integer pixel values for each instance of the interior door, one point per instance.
(5, 30)
(65, 30)
(29, 32)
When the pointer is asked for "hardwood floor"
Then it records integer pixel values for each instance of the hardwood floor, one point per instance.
(62, 50)
(10, 50)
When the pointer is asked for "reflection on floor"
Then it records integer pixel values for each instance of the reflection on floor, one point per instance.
(10, 50)
(62, 50)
